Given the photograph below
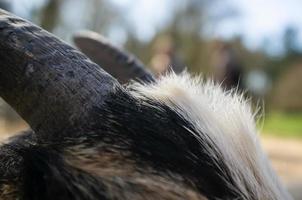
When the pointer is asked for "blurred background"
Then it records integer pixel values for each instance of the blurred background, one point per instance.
(253, 46)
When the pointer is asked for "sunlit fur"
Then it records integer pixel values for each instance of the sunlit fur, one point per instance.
(226, 120)
(179, 137)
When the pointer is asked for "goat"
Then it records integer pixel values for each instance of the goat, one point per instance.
(177, 137)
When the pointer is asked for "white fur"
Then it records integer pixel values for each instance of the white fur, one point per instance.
(226, 119)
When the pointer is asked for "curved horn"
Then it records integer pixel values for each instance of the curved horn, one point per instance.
(50, 84)
(118, 63)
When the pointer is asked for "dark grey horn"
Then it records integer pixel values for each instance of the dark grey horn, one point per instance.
(50, 84)
(117, 62)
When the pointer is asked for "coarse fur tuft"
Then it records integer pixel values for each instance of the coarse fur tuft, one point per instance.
(226, 121)
(179, 137)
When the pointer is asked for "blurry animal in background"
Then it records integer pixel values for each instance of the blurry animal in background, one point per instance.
(175, 137)
(228, 69)
(165, 57)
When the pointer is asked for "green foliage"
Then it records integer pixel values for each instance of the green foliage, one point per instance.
(50, 14)
(283, 124)
(287, 94)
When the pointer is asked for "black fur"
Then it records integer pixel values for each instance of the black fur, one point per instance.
(157, 139)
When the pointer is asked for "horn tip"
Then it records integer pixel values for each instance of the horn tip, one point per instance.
(88, 35)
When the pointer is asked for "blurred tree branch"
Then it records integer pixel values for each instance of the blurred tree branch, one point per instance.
(50, 14)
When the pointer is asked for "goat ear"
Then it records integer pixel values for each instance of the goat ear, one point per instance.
(117, 62)
(51, 85)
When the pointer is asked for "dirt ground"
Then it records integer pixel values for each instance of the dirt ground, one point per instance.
(286, 157)
(285, 154)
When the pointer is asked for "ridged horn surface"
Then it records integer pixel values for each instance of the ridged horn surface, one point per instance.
(114, 60)
(50, 84)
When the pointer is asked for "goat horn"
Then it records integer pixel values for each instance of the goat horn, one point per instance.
(117, 62)
(50, 84)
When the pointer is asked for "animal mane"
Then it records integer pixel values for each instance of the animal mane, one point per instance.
(225, 120)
